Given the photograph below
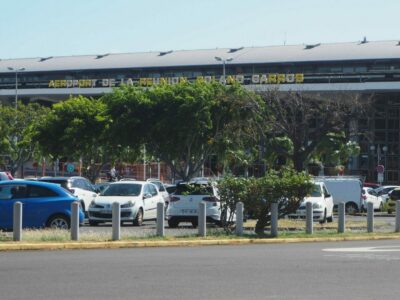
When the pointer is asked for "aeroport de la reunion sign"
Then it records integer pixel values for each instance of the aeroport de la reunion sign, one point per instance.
(241, 79)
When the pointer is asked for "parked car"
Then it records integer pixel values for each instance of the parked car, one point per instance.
(322, 204)
(5, 176)
(161, 189)
(345, 189)
(370, 195)
(43, 204)
(184, 203)
(138, 200)
(384, 191)
(394, 195)
(79, 186)
(101, 186)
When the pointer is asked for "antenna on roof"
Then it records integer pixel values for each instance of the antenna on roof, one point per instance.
(162, 53)
(364, 41)
(308, 47)
(235, 49)
(45, 58)
(102, 55)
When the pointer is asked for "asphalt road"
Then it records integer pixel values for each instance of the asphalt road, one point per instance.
(281, 271)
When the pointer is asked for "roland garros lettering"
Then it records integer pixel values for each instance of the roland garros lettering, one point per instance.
(272, 78)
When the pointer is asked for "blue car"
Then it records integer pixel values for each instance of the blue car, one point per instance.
(43, 204)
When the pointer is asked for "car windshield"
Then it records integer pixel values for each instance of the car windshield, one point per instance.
(194, 189)
(62, 182)
(122, 189)
(316, 192)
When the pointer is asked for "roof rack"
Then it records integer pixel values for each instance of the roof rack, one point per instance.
(102, 55)
(235, 49)
(162, 53)
(307, 47)
(45, 58)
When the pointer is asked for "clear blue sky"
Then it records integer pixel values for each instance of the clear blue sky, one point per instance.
(40, 28)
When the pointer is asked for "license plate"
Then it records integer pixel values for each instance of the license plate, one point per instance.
(189, 211)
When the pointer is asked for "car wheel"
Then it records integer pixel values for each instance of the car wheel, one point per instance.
(59, 222)
(172, 223)
(323, 221)
(330, 219)
(93, 223)
(138, 221)
(351, 209)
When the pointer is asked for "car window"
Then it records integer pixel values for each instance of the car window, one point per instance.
(194, 189)
(316, 192)
(122, 190)
(40, 192)
(62, 182)
(5, 192)
(153, 190)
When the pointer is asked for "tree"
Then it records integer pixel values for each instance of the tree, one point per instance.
(306, 118)
(16, 132)
(285, 187)
(184, 123)
(77, 129)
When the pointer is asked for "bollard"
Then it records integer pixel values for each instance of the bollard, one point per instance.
(202, 219)
(342, 217)
(116, 221)
(370, 217)
(160, 218)
(397, 228)
(17, 221)
(274, 219)
(75, 221)
(309, 218)
(239, 218)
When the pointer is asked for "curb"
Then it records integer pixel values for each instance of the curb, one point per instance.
(12, 246)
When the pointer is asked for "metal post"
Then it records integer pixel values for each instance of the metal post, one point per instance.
(202, 219)
(239, 218)
(75, 221)
(116, 221)
(342, 217)
(17, 221)
(397, 228)
(274, 219)
(309, 218)
(370, 217)
(160, 218)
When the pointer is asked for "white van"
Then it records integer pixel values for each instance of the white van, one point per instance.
(347, 189)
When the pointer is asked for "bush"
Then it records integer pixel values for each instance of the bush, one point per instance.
(286, 187)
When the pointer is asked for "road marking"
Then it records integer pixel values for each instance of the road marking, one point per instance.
(365, 249)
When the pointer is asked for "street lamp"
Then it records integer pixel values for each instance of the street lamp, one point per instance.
(224, 61)
(16, 70)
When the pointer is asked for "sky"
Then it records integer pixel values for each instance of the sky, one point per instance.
(42, 28)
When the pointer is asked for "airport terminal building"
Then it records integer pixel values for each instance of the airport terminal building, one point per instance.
(369, 68)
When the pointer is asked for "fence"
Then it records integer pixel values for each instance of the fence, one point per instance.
(202, 228)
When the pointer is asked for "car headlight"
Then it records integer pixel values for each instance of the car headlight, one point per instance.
(316, 206)
(128, 204)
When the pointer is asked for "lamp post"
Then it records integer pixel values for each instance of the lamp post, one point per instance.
(16, 70)
(379, 155)
(224, 61)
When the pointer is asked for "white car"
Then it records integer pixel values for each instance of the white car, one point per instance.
(78, 186)
(184, 203)
(138, 201)
(370, 195)
(322, 204)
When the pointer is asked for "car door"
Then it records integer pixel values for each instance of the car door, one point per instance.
(6, 207)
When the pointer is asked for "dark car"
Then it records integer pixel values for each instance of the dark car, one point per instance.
(43, 204)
